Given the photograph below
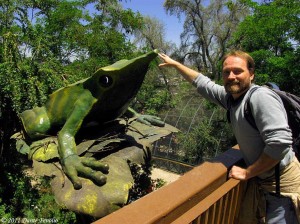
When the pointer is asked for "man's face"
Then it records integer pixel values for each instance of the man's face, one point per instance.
(236, 76)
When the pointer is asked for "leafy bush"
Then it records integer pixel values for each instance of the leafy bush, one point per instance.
(25, 197)
(208, 138)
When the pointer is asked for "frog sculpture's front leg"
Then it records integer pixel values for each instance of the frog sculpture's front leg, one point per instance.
(73, 165)
(37, 123)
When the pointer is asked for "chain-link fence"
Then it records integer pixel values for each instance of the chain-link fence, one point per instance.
(172, 152)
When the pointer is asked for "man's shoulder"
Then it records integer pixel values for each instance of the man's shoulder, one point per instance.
(261, 93)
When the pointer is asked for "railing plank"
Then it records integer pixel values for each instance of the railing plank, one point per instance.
(231, 196)
(213, 213)
(219, 210)
(225, 209)
(209, 201)
(238, 198)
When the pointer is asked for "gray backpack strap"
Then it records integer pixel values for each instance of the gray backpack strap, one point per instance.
(247, 108)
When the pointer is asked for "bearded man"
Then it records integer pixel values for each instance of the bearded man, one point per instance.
(262, 148)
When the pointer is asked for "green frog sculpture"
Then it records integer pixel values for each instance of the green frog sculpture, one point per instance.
(103, 97)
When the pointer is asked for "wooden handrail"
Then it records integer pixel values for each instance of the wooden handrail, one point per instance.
(221, 206)
(178, 199)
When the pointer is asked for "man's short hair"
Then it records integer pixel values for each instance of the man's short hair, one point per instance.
(243, 55)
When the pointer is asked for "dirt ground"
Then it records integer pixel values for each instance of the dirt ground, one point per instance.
(169, 177)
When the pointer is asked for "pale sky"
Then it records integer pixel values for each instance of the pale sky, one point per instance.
(154, 8)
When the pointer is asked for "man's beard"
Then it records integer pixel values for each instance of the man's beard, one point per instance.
(235, 87)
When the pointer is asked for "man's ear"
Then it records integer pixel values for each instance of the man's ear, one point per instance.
(252, 76)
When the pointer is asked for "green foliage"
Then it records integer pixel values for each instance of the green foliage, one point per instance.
(143, 184)
(142, 181)
(154, 102)
(271, 35)
(208, 138)
(158, 183)
(36, 81)
(20, 199)
(197, 142)
(154, 94)
(272, 26)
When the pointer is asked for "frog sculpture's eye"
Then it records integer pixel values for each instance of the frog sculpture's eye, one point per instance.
(105, 81)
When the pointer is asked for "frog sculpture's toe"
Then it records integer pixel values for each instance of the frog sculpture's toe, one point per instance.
(150, 120)
(75, 166)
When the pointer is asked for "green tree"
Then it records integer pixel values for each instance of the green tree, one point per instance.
(153, 35)
(208, 137)
(208, 27)
(154, 95)
(29, 70)
(107, 39)
(271, 35)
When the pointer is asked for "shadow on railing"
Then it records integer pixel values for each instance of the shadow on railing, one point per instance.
(202, 195)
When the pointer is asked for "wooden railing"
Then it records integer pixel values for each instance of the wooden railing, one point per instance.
(221, 206)
(202, 195)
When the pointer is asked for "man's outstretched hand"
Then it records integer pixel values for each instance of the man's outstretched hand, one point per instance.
(75, 166)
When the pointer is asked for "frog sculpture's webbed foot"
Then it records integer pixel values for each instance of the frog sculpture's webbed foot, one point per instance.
(146, 119)
(75, 166)
(150, 120)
